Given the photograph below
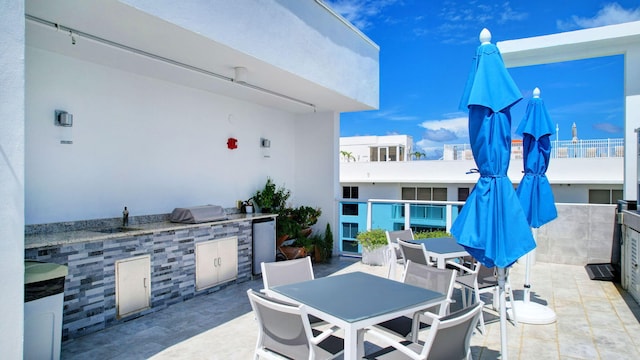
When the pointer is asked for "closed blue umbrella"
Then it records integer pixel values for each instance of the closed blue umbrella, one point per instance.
(492, 225)
(534, 190)
(535, 194)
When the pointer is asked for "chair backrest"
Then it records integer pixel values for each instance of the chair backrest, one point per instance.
(413, 252)
(286, 272)
(393, 236)
(283, 328)
(430, 277)
(487, 277)
(450, 336)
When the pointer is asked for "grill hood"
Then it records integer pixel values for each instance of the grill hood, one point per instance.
(198, 214)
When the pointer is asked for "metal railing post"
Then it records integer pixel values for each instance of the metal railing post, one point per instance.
(407, 215)
(369, 207)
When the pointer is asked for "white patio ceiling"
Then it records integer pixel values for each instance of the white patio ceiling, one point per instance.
(120, 23)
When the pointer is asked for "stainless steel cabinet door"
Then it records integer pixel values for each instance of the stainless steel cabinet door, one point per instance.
(133, 285)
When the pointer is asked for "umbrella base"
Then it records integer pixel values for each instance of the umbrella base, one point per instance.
(532, 313)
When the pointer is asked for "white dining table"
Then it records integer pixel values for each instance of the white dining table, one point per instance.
(354, 301)
(442, 249)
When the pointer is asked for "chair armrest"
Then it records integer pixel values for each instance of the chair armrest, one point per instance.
(431, 315)
(461, 267)
(325, 334)
(389, 341)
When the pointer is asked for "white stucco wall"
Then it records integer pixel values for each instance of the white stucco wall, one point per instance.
(314, 156)
(140, 142)
(12, 178)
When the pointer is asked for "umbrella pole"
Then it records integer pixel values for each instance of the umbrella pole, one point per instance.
(503, 314)
(527, 283)
(524, 310)
(527, 271)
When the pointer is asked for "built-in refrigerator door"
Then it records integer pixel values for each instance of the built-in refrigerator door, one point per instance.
(264, 243)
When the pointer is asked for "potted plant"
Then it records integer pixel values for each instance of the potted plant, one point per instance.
(306, 216)
(247, 207)
(373, 243)
(325, 246)
(271, 197)
(295, 224)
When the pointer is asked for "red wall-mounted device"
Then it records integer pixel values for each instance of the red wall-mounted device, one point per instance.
(232, 143)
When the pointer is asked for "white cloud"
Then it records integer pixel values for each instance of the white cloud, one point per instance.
(460, 20)
(393, 115)
(610, 14)
(608, 128)
(360, 12)
(444, 131)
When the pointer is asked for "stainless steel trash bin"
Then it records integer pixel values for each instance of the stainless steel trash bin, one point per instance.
(44, 298)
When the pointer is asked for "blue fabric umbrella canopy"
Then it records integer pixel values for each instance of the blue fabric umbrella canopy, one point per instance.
(534, 190)
(535, 195)
(492, 225)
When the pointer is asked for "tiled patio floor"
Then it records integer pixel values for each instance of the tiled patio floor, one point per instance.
(596, 320)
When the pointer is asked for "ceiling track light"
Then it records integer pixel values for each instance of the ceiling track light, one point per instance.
(240, 75)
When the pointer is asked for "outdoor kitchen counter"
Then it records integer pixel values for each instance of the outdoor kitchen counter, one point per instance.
(33, 241)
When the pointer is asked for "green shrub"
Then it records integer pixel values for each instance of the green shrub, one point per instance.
(372, 239)
(431, 234)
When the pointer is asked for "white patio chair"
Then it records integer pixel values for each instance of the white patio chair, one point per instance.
(288, 272)
(284, 330)
(414, 252)
(448, 338)
(392, 240)
(428, 277)
(478, 280)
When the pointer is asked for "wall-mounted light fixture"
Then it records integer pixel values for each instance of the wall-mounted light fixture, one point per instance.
(63, 118)
(265, 143)
(240, 75)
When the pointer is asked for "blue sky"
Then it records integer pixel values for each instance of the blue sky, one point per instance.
(426, 47)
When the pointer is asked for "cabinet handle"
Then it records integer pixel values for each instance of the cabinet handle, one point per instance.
(144, 282)
(219, 261)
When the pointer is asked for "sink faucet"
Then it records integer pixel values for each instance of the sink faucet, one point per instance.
(125, 217)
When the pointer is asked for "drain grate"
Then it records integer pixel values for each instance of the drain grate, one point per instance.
(604, 272)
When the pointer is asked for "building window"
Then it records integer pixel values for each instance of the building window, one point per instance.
(425, 194)
(350, 209)
(463, 194)
(349, 230)
(439, 194)
(408, 193)
(349, 192)
(386, 153)
(605, 196)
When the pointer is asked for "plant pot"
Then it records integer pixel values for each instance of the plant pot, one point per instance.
(293, 252)
(318, 256)
(374, 257)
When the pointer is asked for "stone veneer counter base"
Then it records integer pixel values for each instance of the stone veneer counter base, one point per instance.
(90, 289)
